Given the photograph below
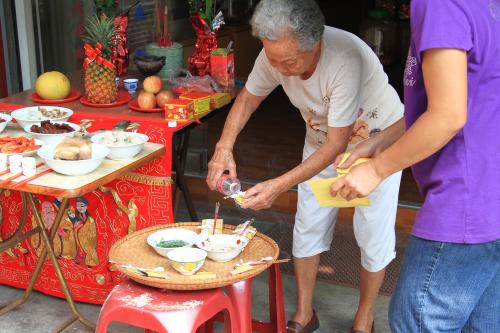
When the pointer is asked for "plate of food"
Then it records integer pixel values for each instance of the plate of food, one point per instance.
(73, 156)
(35, 114)
(122, 97)
(73, 95)
(123, 145)
(134, 105)
(19, 145)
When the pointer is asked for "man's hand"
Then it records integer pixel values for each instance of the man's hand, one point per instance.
(221, 161)
(358, 183)
(367, 148)
(262, 195)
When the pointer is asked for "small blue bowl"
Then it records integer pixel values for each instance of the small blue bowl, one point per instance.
(131, 85)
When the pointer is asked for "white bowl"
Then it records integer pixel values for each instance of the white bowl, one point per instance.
(52, 138)
(187, 260)
(222, 247)
(186, 235)
(123, 152)
(21, 115)
(7, 119)
(74, 168)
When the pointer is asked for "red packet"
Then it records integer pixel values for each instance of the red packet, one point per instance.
(222, 67)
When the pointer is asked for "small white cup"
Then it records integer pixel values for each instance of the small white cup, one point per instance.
(29, 166)
(131, 85)
(172, 124)
(15, 163)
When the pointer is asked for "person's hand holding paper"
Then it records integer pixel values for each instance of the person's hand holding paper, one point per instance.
(321, 188)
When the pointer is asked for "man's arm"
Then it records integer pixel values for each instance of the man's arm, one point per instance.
(375, 145)
(266, 192)
(222, 159)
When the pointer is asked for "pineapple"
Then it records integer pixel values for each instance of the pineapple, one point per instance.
(100, 87)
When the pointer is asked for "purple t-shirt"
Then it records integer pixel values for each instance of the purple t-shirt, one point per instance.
(460, 182)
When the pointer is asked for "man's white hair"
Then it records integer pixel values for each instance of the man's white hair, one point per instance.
(275, 19)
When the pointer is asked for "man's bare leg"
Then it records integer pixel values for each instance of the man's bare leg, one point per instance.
(370, 286)
(306, 270)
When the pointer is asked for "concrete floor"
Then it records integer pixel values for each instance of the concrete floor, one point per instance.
(335, 306)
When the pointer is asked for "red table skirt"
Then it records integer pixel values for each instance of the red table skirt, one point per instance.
(90, 225)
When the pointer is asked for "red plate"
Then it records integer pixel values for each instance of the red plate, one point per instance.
(122, 97)
(73, 95)
(133, 105)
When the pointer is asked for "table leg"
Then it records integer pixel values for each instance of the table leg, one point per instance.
(179, 156)
(48, 250)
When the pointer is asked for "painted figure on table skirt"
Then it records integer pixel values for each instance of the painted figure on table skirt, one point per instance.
(48, 213)
(86, 235)
(340, 88)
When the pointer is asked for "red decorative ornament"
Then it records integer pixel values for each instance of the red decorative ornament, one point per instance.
(206, 42)
(94, 54)
(119, 52)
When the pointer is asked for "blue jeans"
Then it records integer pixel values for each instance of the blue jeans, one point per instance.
(446, 287)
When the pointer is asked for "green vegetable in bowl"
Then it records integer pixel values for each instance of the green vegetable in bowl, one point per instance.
(171, 243)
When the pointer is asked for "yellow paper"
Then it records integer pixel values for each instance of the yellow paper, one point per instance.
(321, 190)
(344, 171)
(242, 269)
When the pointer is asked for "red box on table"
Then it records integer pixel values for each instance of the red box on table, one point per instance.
(179, 110)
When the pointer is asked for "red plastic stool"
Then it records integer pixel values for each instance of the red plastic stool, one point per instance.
(165, 311)
(240, 294)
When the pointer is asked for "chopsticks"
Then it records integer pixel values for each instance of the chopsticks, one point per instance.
(24, 181)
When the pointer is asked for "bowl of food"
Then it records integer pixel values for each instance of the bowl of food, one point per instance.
(166, 240)
(73, 156)
(222, 247)
(52, 132)
(123, 145)
(4, 120)
(149, 64)
(187, 260)
(34, 114)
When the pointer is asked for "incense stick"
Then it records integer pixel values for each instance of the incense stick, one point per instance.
(217, 205)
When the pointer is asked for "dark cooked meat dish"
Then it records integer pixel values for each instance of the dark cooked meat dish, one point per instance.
(46, 127)
(2, 120)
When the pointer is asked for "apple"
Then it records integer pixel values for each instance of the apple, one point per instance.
(152, 84)
(163, 97)
(146, 100)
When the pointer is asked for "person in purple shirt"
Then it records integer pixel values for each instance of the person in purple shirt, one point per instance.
(450, 278)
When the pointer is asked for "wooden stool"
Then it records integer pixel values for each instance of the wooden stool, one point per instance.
(165, 311)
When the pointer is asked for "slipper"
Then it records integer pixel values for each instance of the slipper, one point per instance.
(296, 327)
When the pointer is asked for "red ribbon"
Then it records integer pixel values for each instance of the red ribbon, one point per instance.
(93, 54)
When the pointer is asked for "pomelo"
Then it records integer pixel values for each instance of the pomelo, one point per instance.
(52, 85)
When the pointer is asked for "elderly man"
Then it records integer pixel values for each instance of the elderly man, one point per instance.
(342, 92)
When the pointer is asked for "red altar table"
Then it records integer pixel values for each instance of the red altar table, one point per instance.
(139, 199)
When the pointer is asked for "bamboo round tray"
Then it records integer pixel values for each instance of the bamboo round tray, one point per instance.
(134, 250)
